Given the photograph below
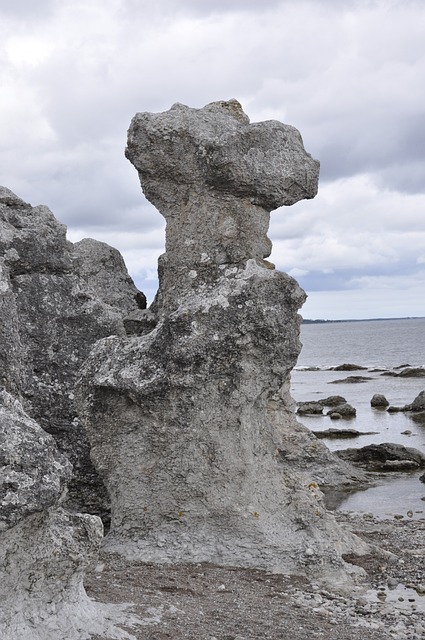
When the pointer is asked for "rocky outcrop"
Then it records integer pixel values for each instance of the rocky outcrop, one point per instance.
(56, 300)
(191, 421)
(44, 550)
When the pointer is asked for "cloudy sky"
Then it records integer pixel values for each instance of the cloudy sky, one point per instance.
(349, 74)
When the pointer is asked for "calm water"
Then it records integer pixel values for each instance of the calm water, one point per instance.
(381, 344)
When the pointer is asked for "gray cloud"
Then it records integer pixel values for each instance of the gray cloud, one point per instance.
(348, 74)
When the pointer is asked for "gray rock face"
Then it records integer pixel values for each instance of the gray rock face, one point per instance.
(44, 551)
(33, 473)
(191, 422)
(56, 300)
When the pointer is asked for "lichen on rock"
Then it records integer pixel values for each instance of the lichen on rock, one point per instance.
(191, 423)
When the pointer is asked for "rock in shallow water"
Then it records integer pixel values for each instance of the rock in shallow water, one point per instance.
(191, 423)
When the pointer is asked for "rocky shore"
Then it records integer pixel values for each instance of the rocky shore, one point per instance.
(208, 602)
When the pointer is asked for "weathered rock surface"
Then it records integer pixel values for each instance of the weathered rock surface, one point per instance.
(56, 300)
(191, 422)
(44, 551)
(385, 457)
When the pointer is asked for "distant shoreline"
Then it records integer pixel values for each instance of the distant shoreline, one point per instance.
(307, 321)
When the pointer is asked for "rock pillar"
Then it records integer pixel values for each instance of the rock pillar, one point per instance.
(191, 422)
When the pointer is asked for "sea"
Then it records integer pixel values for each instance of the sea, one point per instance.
(379, 346)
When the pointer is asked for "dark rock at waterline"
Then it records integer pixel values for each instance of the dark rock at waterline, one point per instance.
(333, 401)
(410, 372)
(415, 372)
(310, 408)
(336, 434)
(348, 367)
(351, 380)
(379, 401)
(345, 410)
(384, 457)
(422, 479)
(315, 407)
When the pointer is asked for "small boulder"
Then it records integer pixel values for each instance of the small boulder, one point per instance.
(345, 410)
(309, 408)
(379, 401)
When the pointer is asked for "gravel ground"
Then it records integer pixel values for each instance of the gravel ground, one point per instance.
(209, 602)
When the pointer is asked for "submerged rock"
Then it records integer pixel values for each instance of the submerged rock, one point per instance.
(56, 300)
(336, 434)
(191, 422)
(351, 380)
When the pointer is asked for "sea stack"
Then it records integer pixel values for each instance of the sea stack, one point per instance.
(191, 422)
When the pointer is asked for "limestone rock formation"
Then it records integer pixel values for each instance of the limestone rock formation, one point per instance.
(191, 423)
(56, 300)
(44, 551)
